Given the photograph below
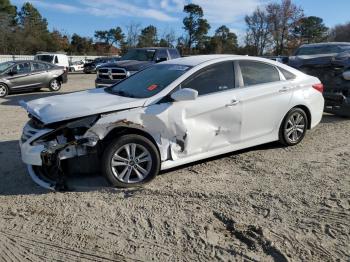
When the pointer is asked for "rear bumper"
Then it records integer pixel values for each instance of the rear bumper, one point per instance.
(100, 83)
(337, 103)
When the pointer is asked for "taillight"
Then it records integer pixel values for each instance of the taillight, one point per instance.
(319, 87)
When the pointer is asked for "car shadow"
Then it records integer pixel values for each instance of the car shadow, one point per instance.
(16, 181)
(330, 118)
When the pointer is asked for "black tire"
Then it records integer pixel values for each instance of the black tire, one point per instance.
(4, 90)
(111, 173)
(287, 138)
(72, 70)
(55, 85)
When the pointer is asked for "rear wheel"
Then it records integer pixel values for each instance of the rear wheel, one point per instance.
(3, 90)
(130, 160)
(293, 128)
(55, 85)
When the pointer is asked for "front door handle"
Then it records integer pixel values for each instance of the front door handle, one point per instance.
(233, 103)
(284, 89)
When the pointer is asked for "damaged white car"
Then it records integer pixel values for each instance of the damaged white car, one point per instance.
(167, 115)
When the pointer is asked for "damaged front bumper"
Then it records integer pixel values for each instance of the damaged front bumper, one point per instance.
(44, 157)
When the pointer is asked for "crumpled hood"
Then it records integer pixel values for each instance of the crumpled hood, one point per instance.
(129, 65)
(79, 104)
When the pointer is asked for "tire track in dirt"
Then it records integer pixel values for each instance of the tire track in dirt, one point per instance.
(16, 246)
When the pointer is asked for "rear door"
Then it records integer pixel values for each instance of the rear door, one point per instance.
(213, 120)
(40, 73)
(265, 98)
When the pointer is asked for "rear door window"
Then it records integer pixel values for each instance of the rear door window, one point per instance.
(39, 67)
(256, 73)
(214, 78)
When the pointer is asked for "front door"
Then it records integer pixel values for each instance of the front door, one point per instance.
(19, 76)
(211, 121)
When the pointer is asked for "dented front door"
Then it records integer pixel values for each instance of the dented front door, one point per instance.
(211, 121)
(207, 123)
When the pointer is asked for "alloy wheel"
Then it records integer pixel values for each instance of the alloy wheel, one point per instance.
(3, 91)
(131, 163)
(295, 127)
(55, 85)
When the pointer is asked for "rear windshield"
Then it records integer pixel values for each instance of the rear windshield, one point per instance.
(139, 54)
(45, 58)
(148, 82)
(318, 50)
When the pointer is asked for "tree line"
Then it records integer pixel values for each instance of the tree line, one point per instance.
(276, 28)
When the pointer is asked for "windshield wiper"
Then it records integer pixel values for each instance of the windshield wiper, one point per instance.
(123, 93)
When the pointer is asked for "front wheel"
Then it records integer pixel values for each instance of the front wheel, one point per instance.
(293, 128)
(55, 85)
(3, 90)
(130, 160)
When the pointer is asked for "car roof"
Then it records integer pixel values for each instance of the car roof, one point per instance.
(198, 59)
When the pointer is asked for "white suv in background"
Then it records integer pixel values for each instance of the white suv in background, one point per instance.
(53, 58)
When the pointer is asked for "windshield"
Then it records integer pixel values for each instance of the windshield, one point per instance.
(318, 50)
(139, 54)
(148, 82)
(4, 66)
(45, 58)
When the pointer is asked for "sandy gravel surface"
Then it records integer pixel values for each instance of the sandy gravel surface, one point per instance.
(267, 203)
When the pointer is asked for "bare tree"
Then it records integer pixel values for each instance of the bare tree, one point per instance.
(341, 33)
(258, 33)
(283, 18)
(132, 34)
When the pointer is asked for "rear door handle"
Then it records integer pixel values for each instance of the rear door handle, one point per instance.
(233, 103)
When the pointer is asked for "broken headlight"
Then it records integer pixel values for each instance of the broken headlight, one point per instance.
(68, 131)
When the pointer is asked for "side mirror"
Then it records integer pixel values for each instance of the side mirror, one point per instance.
(161, 59)
(346, 75)
(185, 94)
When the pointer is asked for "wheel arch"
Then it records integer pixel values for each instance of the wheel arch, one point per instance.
(7, 86)
(121, 130)
(307, 112)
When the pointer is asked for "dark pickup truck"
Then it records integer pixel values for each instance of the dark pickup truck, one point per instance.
(330, 62)
(133, 61)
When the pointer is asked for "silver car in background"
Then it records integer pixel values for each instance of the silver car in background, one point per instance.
(29, 75)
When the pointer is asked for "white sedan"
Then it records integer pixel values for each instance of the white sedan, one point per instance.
(167, 115)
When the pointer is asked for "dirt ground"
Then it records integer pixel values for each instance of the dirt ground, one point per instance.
(266, 203)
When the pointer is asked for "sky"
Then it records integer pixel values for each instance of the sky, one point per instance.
(86, 16)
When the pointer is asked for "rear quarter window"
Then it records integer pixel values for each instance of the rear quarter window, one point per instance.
(256, 73)
(287, 75)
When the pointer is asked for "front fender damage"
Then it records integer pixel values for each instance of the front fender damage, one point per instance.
(154, 120)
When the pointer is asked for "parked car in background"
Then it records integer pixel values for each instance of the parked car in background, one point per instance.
(27, 75)
(53, 58)
(167, 115)
(281, 59)
(133, 61)
(330, 62)
(92, 66)
(77, 66)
